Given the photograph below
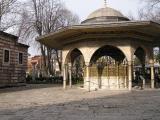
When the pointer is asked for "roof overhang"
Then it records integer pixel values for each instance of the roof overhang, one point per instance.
(147, 29)
(8, 35)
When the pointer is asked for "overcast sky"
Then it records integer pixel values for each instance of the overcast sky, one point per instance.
(84, 7)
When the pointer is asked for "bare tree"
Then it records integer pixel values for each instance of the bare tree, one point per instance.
(153, 3)
(7, 11)
(42, 17)
(151, 11)
(131, 16)
(147, 14)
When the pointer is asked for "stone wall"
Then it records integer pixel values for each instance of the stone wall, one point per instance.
(13, 72)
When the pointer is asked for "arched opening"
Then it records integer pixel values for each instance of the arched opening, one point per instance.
(108, 68)
(75, 67)
(108, 50)
(141, 73)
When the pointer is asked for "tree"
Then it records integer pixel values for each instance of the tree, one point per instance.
(42, 17)
(7, 11)
(151, 11)
(153, 3)
(130, 16)
(147, 14)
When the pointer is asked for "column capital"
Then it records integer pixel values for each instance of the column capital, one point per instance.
(87, 64)
(151, 62)
(130, 63)
(69, 64)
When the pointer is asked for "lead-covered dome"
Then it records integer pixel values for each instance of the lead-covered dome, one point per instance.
(105, 15)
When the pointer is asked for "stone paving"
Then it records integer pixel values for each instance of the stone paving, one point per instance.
(48, 102)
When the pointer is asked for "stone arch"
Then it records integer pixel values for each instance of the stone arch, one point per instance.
(140, 53)
(108, 51)
(140, 46)
(148, 51)
(75, 52)
(74, 65)
(139, 66)
(110, 73)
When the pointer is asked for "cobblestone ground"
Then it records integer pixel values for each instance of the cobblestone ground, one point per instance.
(47, 102)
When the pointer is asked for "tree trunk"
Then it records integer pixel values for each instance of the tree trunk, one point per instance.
(59, 61)
(44, 65)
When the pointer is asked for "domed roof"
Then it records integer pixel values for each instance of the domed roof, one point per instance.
(106, 14)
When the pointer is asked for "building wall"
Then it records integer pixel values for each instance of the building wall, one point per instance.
(13, 72)
(35, 65)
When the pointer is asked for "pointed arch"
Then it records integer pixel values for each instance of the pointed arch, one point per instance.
(140, 53)
(72, 55)
(108, 50)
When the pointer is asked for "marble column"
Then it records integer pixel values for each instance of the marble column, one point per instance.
(151, 63)
(130, 75)
(88, 78)
(64, 77)
(152, 74)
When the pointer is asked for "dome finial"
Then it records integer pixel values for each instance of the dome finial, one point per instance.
(105, 3)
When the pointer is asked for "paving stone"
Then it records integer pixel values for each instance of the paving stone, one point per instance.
(53, 103)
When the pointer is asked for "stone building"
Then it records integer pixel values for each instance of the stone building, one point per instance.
(35, 65)
(13, 60)
(106, 33)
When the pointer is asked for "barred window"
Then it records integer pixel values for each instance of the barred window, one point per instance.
(6, 57)
(20, 58)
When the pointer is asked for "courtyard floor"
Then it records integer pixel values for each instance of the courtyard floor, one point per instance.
(48, 102)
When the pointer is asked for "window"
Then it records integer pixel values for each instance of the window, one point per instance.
(20, 58)
(6, 57)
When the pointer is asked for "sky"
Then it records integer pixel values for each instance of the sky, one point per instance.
(84, 7)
